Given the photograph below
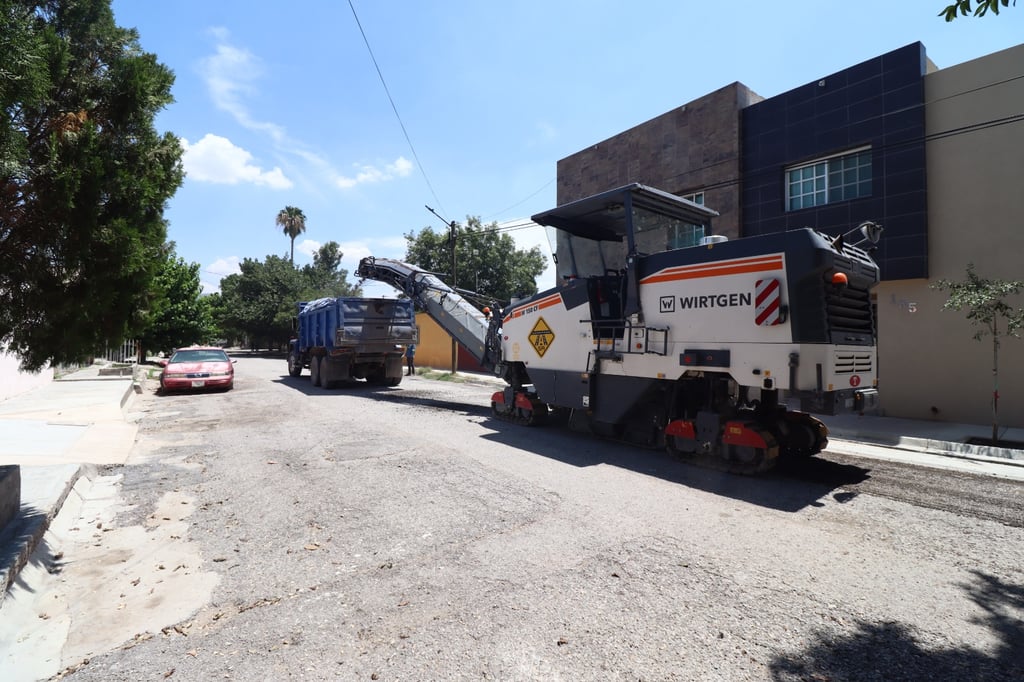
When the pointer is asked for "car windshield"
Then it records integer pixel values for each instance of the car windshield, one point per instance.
(203, 355)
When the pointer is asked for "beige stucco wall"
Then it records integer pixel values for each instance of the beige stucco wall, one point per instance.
(975, 166)
(13, 381)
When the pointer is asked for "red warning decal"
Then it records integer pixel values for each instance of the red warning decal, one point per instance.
(855, 380)
(767, 302)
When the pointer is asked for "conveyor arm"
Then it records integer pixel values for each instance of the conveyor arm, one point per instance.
(448, 308)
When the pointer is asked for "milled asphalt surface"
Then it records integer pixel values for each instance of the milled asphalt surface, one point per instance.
(55, 434)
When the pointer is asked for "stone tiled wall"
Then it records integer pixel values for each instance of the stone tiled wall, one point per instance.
(693, 148)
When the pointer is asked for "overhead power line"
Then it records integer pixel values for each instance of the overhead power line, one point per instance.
(522, 201)
(394, 108)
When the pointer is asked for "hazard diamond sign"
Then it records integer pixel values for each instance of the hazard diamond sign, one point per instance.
(541, 337)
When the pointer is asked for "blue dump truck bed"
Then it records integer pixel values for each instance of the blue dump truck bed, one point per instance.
(341, 339)
(340, 322)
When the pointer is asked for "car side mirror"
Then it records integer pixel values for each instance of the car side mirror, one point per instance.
(162, 362)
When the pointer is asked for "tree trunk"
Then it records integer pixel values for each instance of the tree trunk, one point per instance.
(995, 386)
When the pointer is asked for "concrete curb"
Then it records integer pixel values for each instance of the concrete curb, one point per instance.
(930, 446)
(134, 386)
(43, 495)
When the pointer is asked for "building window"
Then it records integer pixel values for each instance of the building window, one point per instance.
(826, 181)
(696, 197)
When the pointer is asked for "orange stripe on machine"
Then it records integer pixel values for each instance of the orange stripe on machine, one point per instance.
(546, 302)
(730, 267)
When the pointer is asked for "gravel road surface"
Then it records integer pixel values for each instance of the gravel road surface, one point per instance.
(281, 531)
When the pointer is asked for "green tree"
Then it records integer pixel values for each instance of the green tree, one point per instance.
(487, 260)
(326, 277)
(293, 222)
(962, 8)
(23, 78)
(84, 178)
(260, 301)
(222, 327)
(179, 314)
(987, 309)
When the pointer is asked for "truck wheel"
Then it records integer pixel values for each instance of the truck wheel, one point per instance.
(393, 381)
(314, 370)
(325, 375)
(294, 365)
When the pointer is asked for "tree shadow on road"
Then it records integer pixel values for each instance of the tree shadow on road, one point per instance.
(891, 651)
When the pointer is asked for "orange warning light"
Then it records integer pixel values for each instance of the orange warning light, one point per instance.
(840, 279)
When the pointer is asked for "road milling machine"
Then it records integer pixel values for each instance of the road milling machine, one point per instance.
(701, 350)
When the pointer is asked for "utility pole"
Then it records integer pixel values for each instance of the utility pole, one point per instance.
(452, 228)
(455, 345)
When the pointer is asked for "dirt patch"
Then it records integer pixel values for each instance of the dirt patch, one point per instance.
(94, 585)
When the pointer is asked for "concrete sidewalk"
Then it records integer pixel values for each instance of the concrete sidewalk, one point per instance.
(933, 437)
(49, 438)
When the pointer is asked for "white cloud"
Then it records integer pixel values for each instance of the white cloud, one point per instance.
(308, 247)
(383, 247)
(225, 266)
(547, 131)
(219, 269)
(527, 234)
(370, 174)
(355, 250)
(230, 74)
(216, 159)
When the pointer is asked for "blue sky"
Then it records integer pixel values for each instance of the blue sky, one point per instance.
(281, 107)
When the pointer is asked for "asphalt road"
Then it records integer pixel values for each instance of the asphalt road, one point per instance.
(282, 531)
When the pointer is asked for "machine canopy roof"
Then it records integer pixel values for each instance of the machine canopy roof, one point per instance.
(604, 216)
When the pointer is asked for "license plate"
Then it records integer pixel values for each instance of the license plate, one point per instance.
(198, 384)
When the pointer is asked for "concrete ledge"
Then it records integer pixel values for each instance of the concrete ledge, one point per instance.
(43, 494)
(116, 371)
(10, 494)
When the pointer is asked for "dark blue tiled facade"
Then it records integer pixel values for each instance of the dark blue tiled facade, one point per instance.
(879, 103)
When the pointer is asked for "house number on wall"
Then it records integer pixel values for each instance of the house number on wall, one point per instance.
(905, 305)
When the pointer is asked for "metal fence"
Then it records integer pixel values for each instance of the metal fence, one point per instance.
(126, 352)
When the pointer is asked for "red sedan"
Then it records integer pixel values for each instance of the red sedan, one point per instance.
(197, 367)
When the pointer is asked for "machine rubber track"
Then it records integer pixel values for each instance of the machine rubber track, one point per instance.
(745, 460)
(526, 410)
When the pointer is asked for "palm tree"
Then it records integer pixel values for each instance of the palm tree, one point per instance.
(293, 222)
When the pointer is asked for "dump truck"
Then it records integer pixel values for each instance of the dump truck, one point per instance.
(349, 338)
